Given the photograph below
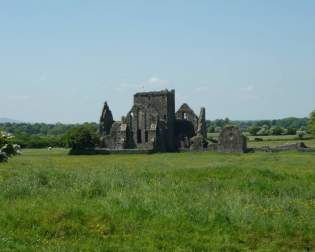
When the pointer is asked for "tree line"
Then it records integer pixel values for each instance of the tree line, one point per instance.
(41, 135)
(286, 126)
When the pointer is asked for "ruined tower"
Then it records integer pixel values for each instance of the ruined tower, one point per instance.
(152, 119)
(152, 124)
(106, 120)
(202, 127)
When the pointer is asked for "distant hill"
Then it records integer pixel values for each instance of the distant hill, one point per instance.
(8, 120)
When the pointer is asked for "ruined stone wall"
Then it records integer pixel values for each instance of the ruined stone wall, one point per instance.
(119, 137)
(150, 108)
(141, 119)
(186, 113)
(106, 120)
(152, 124)
(163, 102)
(231, 139)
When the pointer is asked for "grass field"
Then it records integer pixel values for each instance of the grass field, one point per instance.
(273, 141)
(276, 142)
(169, 202)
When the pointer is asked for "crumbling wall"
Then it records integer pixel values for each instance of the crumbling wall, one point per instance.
(151, 108)
(106, 120)
(231, 139)
(202, 126)
(153, 124)
(119, 137)
(187, 114)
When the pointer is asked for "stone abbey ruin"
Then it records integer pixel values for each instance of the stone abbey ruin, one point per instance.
(152, 124)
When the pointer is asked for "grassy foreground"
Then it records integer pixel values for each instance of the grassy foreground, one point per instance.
(171, 202)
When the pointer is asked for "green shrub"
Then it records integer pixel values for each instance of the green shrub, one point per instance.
(264, 131)
(253, 130)
(301, 133)
(276, 130)
(8, 149)
(82, 137)
(311, 124)
(291, 131)
(3, 157)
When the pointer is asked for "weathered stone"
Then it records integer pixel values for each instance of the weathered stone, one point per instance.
(152, 124)
(231, 139)
(202, 126)
(185, 113)
(106, 120)
(198, 143)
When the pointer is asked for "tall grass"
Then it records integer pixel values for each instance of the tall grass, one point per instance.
(169, 202)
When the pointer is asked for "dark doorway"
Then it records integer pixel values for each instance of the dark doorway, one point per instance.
(146, 136)
(139, 137)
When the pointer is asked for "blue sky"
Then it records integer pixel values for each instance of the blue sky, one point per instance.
(60, 60)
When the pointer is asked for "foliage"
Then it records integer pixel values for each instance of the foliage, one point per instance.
(262, 127)
(290, 122)
(254, 129)
(40, 135)
(3, 157)
(311, 125)
(35, 141)
(276, 130)
(40, 129)
(211, 129)
(7, 148)
(301, 134)
(82, 137)
(264, 131)
(291, 131)
(160, 202)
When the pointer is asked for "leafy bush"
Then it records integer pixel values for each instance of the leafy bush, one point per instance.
(291, 131)
(276, 130)
(264, 131)
(82, 137)
(301, 133)
(40, 141)
(253, 130)
(3, 157)
(6, 146)
(8, 149)
(311, 124)
(40, 135)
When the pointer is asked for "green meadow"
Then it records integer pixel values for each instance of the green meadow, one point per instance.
(50, 201)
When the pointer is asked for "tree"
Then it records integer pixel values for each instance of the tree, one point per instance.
(217, 129)
(211, 129)
(311, 123)
(292, 131)
(6, 146)
(301, 133)
(82, 137)
(276, 130)
(264, 131)
(253, 130)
